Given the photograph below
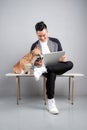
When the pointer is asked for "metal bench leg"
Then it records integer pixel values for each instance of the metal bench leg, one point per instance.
(44, 89)
(69, 88)
(17, 89)
(72, 89)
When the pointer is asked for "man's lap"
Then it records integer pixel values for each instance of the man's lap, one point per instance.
(59, 68)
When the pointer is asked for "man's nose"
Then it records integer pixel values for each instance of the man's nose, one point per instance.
(42, 37)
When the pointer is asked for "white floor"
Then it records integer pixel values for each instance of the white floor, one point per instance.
(31, 114)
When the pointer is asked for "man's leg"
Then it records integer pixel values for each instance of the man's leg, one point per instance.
(60, 67)
(50, 84)
(52, 70)
(50, 87)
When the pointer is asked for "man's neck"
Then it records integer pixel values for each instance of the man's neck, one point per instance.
(44, 41)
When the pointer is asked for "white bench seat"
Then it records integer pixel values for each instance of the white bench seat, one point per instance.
(71, 83)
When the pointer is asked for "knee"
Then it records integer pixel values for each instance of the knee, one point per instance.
(70, 64)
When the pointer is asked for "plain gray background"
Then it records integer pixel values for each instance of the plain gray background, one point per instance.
(66, 20)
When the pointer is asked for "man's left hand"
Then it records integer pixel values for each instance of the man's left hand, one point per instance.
(63, 59)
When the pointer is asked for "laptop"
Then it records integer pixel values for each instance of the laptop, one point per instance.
(53, 57)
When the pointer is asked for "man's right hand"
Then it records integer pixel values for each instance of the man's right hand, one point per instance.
(63, 59)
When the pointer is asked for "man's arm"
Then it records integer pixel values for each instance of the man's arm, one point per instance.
(55, 40)
(63, 58)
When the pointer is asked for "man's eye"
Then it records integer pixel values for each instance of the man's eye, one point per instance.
(42, 36)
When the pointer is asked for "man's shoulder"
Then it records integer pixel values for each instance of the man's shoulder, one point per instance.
(34, 45)
(54, 39)
(36, 42)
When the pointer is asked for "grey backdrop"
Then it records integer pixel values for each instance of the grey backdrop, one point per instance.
(66, 20)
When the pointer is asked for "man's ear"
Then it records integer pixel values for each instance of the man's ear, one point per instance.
(47, 31)
(36, 33)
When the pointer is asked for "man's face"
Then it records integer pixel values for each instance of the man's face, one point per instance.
(42, 35)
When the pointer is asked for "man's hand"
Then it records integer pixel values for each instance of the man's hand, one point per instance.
(63, 59)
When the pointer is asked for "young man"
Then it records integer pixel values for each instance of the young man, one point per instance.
(47, 45)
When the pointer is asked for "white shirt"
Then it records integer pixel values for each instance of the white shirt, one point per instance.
(44, 47)
(45, 50)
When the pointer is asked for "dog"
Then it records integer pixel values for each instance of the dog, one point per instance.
(29, 58)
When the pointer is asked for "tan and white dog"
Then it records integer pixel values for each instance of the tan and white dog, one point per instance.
(29, 58)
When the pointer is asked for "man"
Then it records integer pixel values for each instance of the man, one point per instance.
(47, 45)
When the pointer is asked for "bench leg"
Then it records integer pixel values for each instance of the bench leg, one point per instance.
(72, 89)
(44, 89)
(69, 88)
(17, 89)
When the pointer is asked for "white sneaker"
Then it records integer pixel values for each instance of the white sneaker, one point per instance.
(38, 72)
(51, 106)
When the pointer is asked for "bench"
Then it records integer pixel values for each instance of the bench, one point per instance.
(71, 77)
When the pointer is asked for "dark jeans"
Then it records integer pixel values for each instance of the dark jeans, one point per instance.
(53, 70)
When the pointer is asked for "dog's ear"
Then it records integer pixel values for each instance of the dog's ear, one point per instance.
(36, 51)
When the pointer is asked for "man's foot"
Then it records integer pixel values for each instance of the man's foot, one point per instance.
(38, 72)
(51, 106)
